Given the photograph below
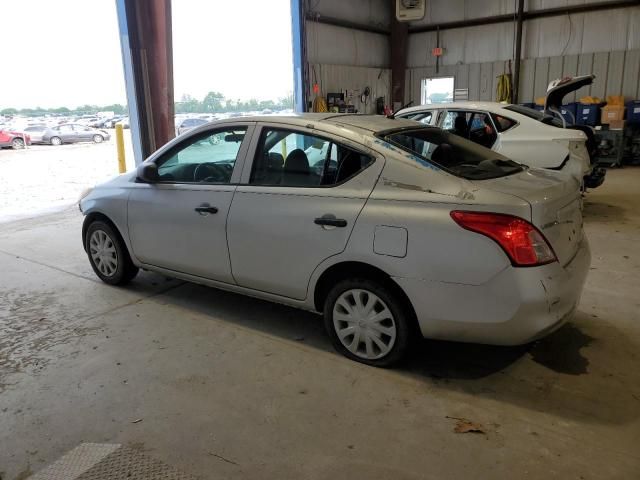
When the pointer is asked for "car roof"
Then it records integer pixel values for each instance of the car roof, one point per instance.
(495, 107)
(356, 122)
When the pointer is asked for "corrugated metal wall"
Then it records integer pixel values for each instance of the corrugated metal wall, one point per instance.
(605, 43)
(348, 59)
(616, 73)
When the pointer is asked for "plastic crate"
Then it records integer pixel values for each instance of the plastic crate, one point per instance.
(568, 112)
(633, 111)
(588, 114)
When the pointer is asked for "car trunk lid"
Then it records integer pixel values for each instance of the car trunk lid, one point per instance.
(558, 89)
(556, 206)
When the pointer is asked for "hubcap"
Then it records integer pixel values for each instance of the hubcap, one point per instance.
(103, 253)
(364, 324)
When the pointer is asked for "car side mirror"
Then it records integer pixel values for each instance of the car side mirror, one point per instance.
(147, 173)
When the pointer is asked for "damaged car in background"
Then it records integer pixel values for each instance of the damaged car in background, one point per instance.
(397, 231)
(541, 139)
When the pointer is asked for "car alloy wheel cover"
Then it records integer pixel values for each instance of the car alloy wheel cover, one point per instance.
(56, 141)
(103, 253)
(17, 143)
(364, 324)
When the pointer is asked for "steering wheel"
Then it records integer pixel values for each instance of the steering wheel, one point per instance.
(208, 172)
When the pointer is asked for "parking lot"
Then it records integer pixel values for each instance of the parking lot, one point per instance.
(45, 178)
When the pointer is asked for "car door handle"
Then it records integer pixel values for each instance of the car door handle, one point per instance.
(204, 209)
(330, 221)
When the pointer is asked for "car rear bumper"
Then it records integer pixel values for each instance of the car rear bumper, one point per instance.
(516, 306)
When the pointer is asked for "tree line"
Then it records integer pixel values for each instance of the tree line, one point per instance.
(213, 102)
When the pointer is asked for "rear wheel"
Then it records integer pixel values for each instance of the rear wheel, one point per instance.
(17, 143)
(55, 141)
(98, 138)
(367, 322)
(108, 254)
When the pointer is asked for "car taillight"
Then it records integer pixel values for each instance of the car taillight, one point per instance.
(522, 242)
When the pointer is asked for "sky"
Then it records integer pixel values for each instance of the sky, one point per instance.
(66, 53)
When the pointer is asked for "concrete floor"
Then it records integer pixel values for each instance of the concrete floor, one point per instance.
(225, 386)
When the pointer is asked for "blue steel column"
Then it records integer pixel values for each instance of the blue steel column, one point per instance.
(132, 103)
(297, 37)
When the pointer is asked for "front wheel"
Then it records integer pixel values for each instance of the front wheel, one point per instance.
(98, 138)
(56, 141)
(108, 254)
(367, 322)
(17, 144)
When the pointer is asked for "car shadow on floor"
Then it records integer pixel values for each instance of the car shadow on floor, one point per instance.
(550, 376)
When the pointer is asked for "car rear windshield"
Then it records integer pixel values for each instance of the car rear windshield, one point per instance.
(454, 154)
(535, 114)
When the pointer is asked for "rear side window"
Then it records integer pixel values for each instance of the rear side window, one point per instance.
(422, 117)
(295, 159)
(456, 155)
(502, 123)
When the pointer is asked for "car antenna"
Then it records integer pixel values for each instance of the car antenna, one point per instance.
(393, 115)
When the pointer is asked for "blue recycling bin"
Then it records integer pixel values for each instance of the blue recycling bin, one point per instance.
(568, 112)
(633, 111)
(540, 108)
(588, 114)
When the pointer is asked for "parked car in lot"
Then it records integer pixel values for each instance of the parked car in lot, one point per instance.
(189, 123)
(74, 133)
(525, 135)
(36, 132)
(13, 139)
(401, 231)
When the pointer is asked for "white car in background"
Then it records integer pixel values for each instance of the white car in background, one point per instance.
(535, 138)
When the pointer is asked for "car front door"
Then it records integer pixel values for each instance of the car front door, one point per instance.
(179, 222)
(67, 134)
(297, 203)
(84, 134)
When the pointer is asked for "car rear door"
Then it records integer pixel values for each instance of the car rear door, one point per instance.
(289, 214)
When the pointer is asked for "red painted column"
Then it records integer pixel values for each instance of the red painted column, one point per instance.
(150, 41)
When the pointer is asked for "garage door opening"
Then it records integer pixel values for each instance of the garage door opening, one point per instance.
(437, 90)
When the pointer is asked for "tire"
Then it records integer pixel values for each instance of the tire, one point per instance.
(55, 141)
(98, 138)
(392, 329)
(17, 143)
(102, 243)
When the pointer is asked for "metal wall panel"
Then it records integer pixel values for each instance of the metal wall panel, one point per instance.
(486, 85)
(630, 82)
(334, 78)
(332, 45)
(541, 77)
(616, 74)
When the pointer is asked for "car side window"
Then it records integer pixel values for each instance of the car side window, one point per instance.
(502, 123)
(206, 158)
(65, 129)
(422, 117)
(289, 158)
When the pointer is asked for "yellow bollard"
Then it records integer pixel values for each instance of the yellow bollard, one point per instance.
(122, 166)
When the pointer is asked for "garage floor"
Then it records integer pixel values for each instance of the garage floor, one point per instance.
(222, 386)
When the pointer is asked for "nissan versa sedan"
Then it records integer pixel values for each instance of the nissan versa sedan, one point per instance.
(73, 133)
(399, 231)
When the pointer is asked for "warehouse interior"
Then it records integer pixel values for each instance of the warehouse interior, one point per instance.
(169, 378)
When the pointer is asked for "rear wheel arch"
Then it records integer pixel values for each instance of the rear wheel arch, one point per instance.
(345, 270)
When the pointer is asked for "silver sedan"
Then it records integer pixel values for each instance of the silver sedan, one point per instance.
(394, 231)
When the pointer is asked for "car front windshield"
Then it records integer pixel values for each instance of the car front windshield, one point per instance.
(456, 155)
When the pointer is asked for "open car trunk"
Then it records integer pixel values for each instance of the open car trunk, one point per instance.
(556, 207)
(560, 88)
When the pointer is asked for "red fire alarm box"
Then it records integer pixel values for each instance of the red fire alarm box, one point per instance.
(437, 52)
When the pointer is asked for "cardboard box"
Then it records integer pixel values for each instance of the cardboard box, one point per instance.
(616, 125)
(612, 113)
